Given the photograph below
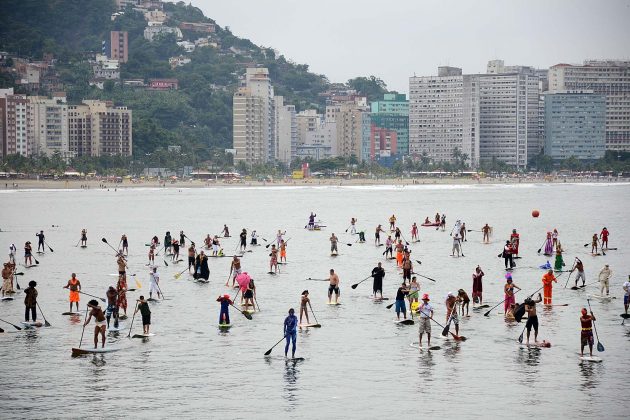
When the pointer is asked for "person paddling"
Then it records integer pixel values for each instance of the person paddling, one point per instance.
(125, 244)
(168, 240)
(7, 278)
(586, 335)
(254, 238)
(401, 293)
(377, 235)
(548, 279)
(40, 241)
(603, 236)
(304, 301)
(333, 245)
(508, 289)
(532, 318)
(75, 287)
(121, 288)
(515, 240)
(290, 332)
(175, 250)
(594, 244)
(378, 273)
(99, 321)
(235, 270)
(154, 280)
(145, 311)
(273, 260)
(243, 237)
(192, 252)
(425, 310)
(201, 266)
(225, 232)
(224, 313)
(579, 266)
(414, 232)
(451, 311)
(353, 227)
(604, 280)
(486, 233)
(283, 251)
(28, 254)
(83, 237)
(333, 286)
(112, 306)
(30, 301)
(508, 256)
(477, 287)
(626, 295)
(462, 296)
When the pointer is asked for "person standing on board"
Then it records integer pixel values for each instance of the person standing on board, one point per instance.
(532, 318)
(30, 301)
(28, 254)
(401, 293)
(168, 240)
(443, 222)
(392, 223)
(579, 266)
(594, 244)
(508, 256)
(508, 289)
(399, 253)
(515, 239)
(604, 278)
(191, 256)
(389, 247)
(407, 268)
(333, 245)
(414, 232)
(225, 232)
(377, 235)
(243, 237)
(451, 311)
(202, 269)
(548, 245)
(311, 221)
(12, 253)
(154, 280)
(304, 301)
(290, 332)
(254, 240)
(586, 335)
(425, 310)
(378, 273)
(182, 238)
(333, 286)
(235, 270)
(125, 244)
(283, 251)
(456, 245)
(175, 250)
(40, 242)
(121, 288)
(151, 255)
(99, 321)
(477, 287)
(112, 306)
(145, 311)
(280, 237)
(626, 295)
(548, 279)
(75, 287)
(604, 238)
(7, 279)
(83, 237)
(224, 313)
(353, 227)
(273, 261)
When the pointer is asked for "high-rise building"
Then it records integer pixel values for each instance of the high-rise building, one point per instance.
(98, 128)
(606, 77)
(320, 142)
(444, 116)
(119, 46)
(307, 121)
(575, 124)
(50, 125)
(285, 131)
(383, 143)
(254, 119)
(18, 138)
(392, 113)
(353, 129)
(3, 120)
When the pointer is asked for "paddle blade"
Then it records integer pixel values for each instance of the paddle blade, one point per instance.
(17, 328)
(102, 300)
(351, 244)
(268, 352)
(390, 306)
(247, 315)
(316, 326)
(354, 286)
(1, 330)
(104, 240)
(445, 331)
(177, 276)
(46, 323)
(19, 274)
(138, 285)
(459, 337)
(600, 347)
(487, 313)
(520, 337)
(165, 263)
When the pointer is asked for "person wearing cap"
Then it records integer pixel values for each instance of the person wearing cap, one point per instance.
(304, 300)
(586, 335)
(28, 254)
(145, 311)
(547, 280)
(604, 280)
(74, 285)
(224, 314)
(451, 310)
(99, 321)
(290, 332)
(378, 273)
(604, 237)
(40, 240)
(532, 318)
(425, 310)
(508, 289)
(400, 300)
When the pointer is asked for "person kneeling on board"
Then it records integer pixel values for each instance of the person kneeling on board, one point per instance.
(99, 321)
(586, 335)
(145, 311)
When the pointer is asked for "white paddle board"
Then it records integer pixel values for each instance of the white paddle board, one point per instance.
(594, 359)
(142, 335)
(4, 298)
(79, 352)
(333, 303)
(416, 346)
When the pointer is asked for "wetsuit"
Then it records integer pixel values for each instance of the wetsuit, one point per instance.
(224, 314)
(290, 333)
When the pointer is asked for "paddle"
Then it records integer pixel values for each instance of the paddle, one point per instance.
(473, 230)
(256, 302)
(455, 336)
(17, 283)
(317, 324)
(132, 318)
(13, 325)
(348, 228)
(78, 242)
(404, 239)
(520, 337)
(586, 244)
(354, 286)
(495, 306)
(105, 241)
(600, 346)
(1, 330)
(602, 248)
(160, 290)
(51, 250)
(425, 277)
(317, 279)
(178, 275)
(419, 262)
(36, 262)
(570, 272)
(268, 352)
(46, 323)
(87, 294)
(245, 314)
(541, 246)
(21, 273)
(349, 244)
(446, 329)
(83, 330)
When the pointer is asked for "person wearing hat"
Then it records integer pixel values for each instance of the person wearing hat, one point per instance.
(290, 332)
(12, 253)
(30, 301)
(604, 237)
(224, 314)
(145, 311)
(304, 300)
(28, 254)
(40, 240)
(604, 278)
(548, 279)
(451, 311)
(74, 285)
(424, 322)
(508, 289)
(586, 335)
(99, 321)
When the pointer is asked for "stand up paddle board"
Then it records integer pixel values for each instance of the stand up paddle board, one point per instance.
(32, 324)
(602, 298)
(83, 246)
(309, 325)
(122, 317)
(333, 303)
(202, 281)
(142, 335)
(79, 352)
(416, 346)
(114, 329)
(4, 298)
(404, 321)
(225, 326)
(71, 313)
(594, 359)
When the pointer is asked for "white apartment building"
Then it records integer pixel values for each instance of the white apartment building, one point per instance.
(604, 77)
(98, 128)
(320, 142)
(285, 131)
(50, 125)
(444, 116)
(307, 121)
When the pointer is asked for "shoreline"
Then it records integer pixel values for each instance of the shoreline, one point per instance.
(75, 184)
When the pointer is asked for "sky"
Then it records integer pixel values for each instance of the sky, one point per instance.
(396, 39)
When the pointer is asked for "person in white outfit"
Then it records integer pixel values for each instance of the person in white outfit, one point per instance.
(604, 278)
(154, 279)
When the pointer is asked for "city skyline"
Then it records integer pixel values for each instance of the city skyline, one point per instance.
(565, 32)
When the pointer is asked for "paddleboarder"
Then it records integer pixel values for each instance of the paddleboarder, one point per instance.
(462, 296)
(145, 311)
(283, 251)
(399, 253)
(456, 245)
(304, 301)
(389, 250)
(254, 238)
(250, 295)
(243, 237)
(112, 306)
(548, 245)
(477, 287)
(603, 236)
(154, 280)
(215, 246)
(378, 273)
(586, 335)
(311, 221)
(594, 244)
(7, 279)
(30, 301)
(125, 244)
(532, 318)
(392, 223)
(554, 238)
(99, 321)
(515, 239)
(168, 240)
(192, 252)
(235, 269)
(152, 255)
(201, 268)
(290, 332)
(12, 253)
(333, 286)
(224, 313)
(333, 244)
(175, 245)
(407, 268)
(225, 231)
(400, 300)
(559, 261)
(486, 233)
(579, 266)
(508, 290)
(40, 241)
(182, 238)
(451, 311)
(414, 294)
(75, 287)
(508, 257)
(377, 235)
(548, 279)
(462, 231)
(604, 280)
(443, 222)
(353, 227)
(121, 288)
(273, 260)
(626, 295)
(414, 232)
(83, 237)
(28, 254)
(425, 310)
(280, 237)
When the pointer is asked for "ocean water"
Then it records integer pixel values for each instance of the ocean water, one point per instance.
(360, 363)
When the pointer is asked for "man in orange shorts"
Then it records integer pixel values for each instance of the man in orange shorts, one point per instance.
(75, 287)
(283, 251)
(399, 253)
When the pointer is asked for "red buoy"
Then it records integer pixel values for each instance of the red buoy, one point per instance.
(535, 213)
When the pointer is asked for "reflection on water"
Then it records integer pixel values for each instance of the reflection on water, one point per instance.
(529, 357)
(590, 374)
(291, 372)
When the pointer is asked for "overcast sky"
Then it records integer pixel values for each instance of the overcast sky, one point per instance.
(395, 39)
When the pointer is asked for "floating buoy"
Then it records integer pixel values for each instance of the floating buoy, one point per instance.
(535, 213)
